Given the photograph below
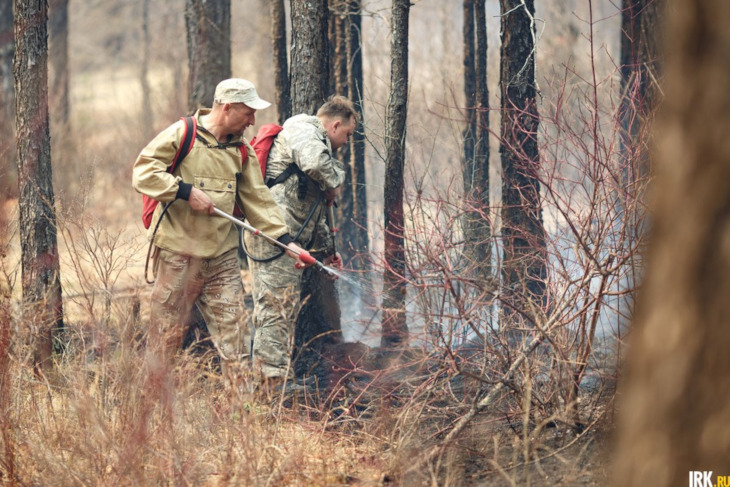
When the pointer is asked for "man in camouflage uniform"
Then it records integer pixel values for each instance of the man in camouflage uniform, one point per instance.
(195, 256)
(306, 142)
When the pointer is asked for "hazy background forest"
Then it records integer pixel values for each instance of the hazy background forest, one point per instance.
(466, 405)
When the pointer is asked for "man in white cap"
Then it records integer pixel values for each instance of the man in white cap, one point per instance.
(195, 251)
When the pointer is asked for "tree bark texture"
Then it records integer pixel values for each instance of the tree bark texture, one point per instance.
(281, 64)
(309, 55)
(58, 68)
(475, 169)
(359, 234)
(318, 323)
(208, 25)
(523, 267)
(676, 413)
(640, 75)
(38, 235)
(395, 328)
(8, 183)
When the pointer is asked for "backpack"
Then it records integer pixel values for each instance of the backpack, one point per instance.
(188, 139)
(262, 146)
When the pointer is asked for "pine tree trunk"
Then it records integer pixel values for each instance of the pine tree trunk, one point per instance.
(41, 283)
(523, 267)
(395, 328)
(359, 233)
(475, 168)
(8, 183)
(675, 414)
(208, 25)
(281, 64)
(309, 55)
(319, 320)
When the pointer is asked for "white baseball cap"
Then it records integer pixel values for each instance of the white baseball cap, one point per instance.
(237, 90)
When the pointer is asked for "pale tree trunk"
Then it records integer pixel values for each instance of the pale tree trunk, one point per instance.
(39, 250)
(675, 413)
(395, 327)
(58, 65)
(208, 25)
(282, 96)
(523, 267)
(8, 185)
(309, 55)
(145, 109)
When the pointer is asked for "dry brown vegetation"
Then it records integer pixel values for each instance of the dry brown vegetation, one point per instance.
(467, 405)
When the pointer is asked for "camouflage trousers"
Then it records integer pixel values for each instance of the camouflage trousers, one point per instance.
(276, 295)
(215, 285)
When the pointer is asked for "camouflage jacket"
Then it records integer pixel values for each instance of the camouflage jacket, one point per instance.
(304, 142)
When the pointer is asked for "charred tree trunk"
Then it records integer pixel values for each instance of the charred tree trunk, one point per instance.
(676, 409)
(357, 233)
(640, 74)
(395, 328)
(309, 55)
(524, 266)
(340, 86)
(208, 25)
(39, 250)
(8, 183)
(281, 63)
(475, 170)
(319, 320)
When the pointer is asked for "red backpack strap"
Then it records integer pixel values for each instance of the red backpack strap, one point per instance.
(191, 130)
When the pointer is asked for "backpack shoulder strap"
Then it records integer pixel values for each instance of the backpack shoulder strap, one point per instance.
(191, 130)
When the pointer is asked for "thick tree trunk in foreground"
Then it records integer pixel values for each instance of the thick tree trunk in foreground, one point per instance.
(523, 267)
(676, 413)
(282, 96)
(208, 25)
(395, 327)
(39, 250)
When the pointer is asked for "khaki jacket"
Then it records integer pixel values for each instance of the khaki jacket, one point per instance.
(216, 171)
(304, 142)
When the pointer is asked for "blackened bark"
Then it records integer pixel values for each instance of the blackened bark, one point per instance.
(8, 185)
(281, 64)
(470, 92)
(358, 233)
(395, 328)
(309, 55)
(475, 169)
(319, 320)
(523, 267)
(38, 235)
(58, 66)
(208, 25)
(640, 75)
(675, 410)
